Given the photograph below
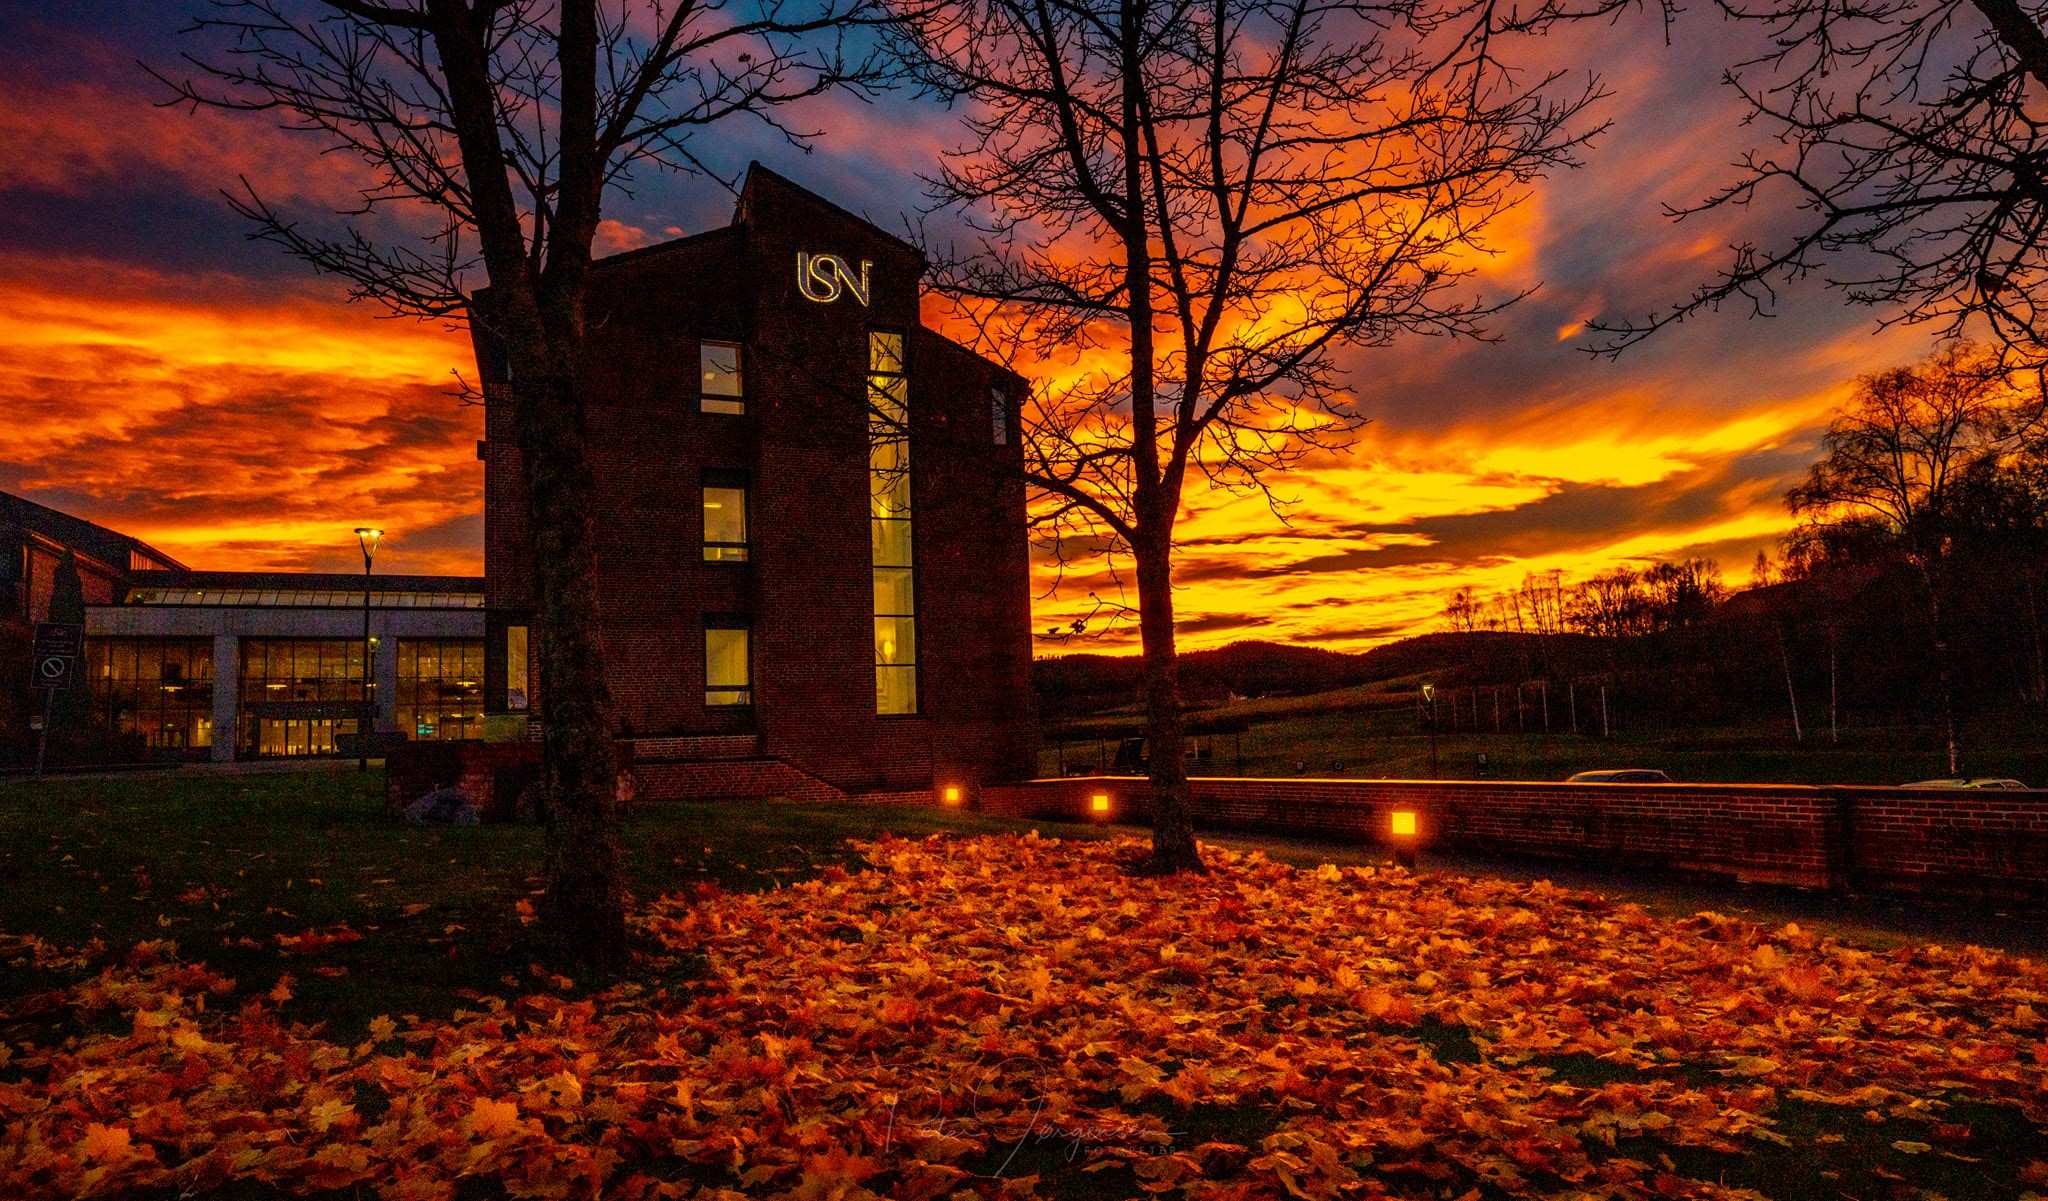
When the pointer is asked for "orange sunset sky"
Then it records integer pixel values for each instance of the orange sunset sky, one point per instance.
(161, 374)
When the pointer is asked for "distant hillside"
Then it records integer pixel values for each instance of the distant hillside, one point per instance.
(1075, 684)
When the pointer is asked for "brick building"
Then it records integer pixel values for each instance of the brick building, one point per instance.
(34, 540)
(811, 542)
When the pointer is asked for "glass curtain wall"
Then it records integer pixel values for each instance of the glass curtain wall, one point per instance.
(889, 525)
(441, 688)
(160, 688)
(298, 693)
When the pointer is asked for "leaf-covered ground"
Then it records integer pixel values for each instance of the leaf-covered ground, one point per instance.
(1015, 1016)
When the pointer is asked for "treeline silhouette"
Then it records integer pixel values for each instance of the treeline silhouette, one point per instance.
(1909, 594)
(1072, 685)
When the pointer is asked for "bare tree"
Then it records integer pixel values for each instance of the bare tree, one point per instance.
(1461, 611)
(1895, 457)
(1910, 132)
(1610, 604)
(493, 130)
(1201, 200)
(1542, 594)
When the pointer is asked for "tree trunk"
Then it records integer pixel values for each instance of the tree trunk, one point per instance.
(538, 312)
(1173, 827)
(1944, 689)
(1791, 697)
(1834, 691)
(583, 907)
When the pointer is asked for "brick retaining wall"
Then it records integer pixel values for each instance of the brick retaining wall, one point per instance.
(1865, 838)
(717, 769)
(492, 773)
(1826, 837)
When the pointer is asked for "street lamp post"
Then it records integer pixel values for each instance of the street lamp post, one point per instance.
(367, 721)
(1429, 694)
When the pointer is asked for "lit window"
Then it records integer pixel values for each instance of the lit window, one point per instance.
(728, 670)
(889, 528)
(725, 523)
(515, 667)
(719, 366)
(999, 415)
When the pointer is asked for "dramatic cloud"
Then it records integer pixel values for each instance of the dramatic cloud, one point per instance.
(163, 375)
(237, 433)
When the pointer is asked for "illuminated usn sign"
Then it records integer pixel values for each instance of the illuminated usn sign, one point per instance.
(822, 277)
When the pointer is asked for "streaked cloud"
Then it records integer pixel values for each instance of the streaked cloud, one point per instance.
(237, 433)
(162, 375)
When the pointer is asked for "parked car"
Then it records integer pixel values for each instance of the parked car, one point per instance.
(1621, 775)
(1967, 782)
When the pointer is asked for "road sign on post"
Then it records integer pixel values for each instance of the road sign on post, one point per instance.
(59, 638)
(54, 662)
(54, 668)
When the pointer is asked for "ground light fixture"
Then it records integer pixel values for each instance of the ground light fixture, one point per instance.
(951, 795)
(1403, 832)
(1099, 804)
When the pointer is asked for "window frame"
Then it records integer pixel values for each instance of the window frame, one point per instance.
(724, 404)
(728, 481)
(727, 624)
(889, 452)
(999, 414)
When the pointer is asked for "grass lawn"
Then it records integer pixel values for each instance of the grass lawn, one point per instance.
(1002, 1015)
(227, 866)
(1360, 734)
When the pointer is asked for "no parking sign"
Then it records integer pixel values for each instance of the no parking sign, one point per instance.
(55, 661)
(56, 671)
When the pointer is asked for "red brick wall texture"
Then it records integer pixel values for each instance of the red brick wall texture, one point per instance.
(1867, 839)
(1839, 837)
(807, 587)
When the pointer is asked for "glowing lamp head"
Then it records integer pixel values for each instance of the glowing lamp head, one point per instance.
(1402, 824)
(951, 795)
(369, 538)
(1099, 803)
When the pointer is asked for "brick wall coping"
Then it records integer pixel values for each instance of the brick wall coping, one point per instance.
(1879, 837)
(1676, 786)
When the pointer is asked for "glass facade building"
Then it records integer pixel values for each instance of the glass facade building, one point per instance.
(231, 665)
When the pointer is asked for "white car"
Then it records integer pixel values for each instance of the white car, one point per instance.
(1621, 775)
(1966, 782)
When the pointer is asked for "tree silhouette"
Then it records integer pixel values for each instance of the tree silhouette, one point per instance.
(1195, 205)
(1896, 459)
(494, 130)
(1909, 133)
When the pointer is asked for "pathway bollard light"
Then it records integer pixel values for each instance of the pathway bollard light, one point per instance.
(1404, 831)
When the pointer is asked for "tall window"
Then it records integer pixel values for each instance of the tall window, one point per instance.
(719, 366)
(999, 415)
(889, 525)
(515, 667)
(725, 518)
(728, 666)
